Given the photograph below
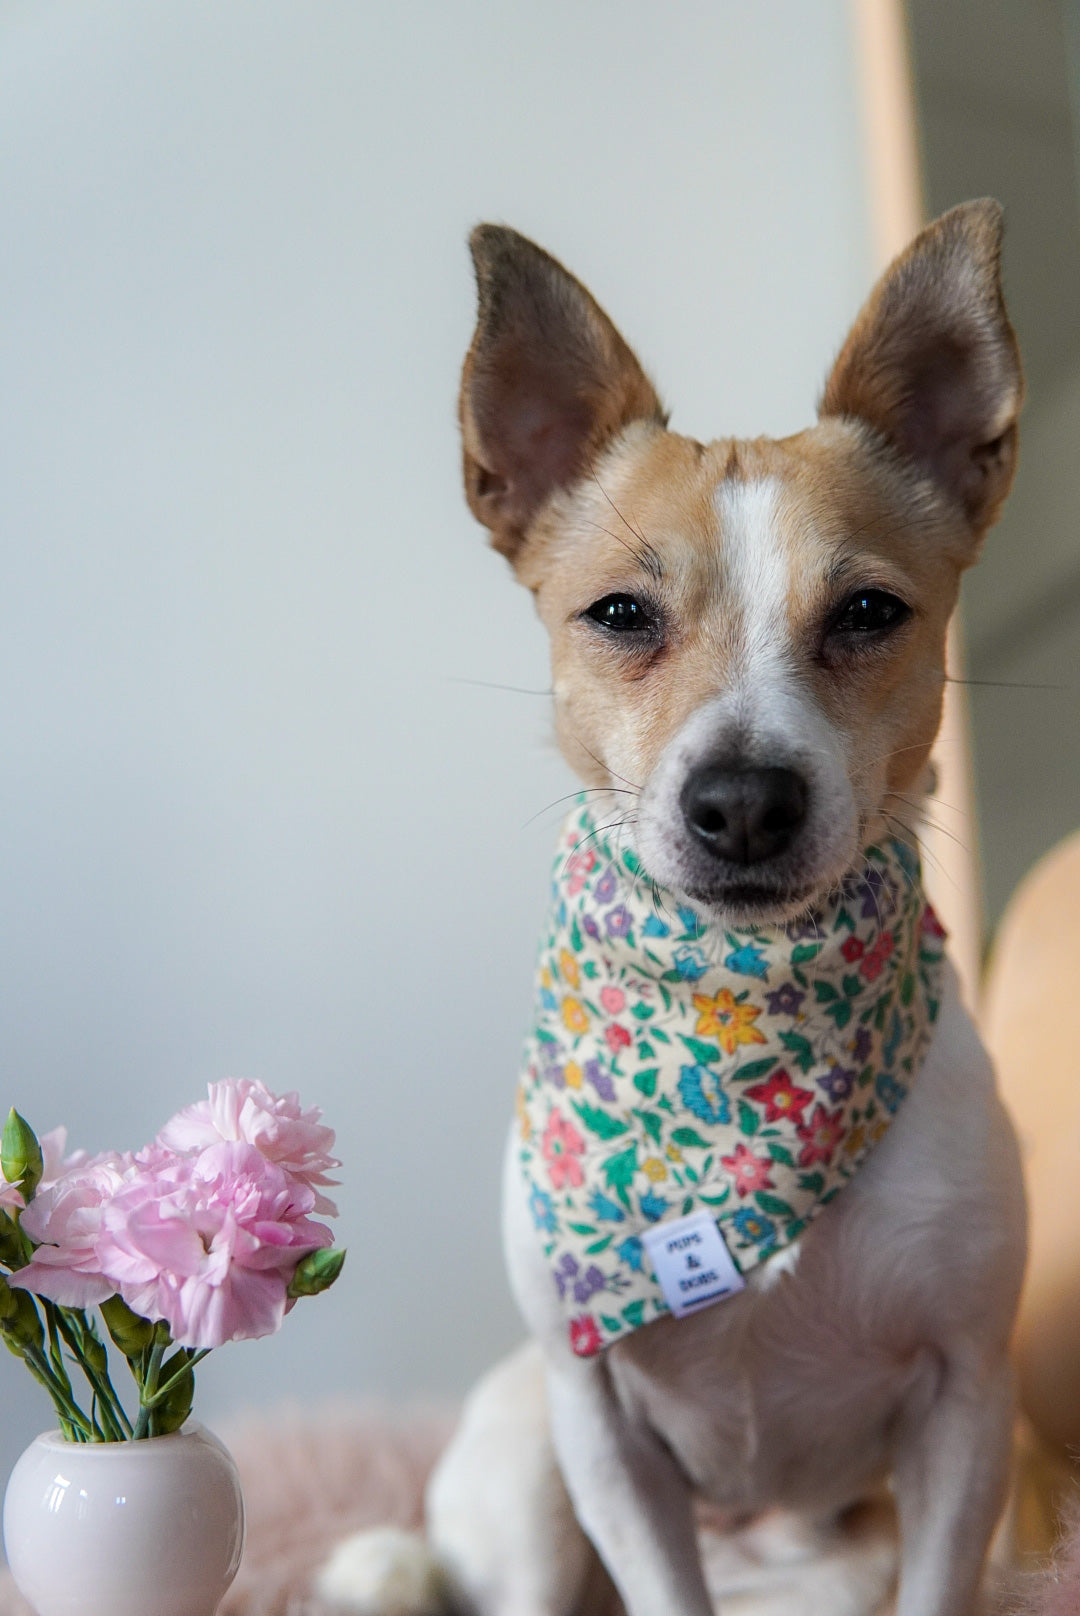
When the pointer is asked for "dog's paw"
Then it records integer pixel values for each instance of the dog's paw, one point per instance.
(385, 1572)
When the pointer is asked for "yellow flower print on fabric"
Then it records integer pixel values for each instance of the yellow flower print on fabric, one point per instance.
(573, 1074)
(568, 965)
(722, 1017)
(574, 1017)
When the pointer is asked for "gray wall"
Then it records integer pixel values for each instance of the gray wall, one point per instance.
(254, 821)
(996, 117)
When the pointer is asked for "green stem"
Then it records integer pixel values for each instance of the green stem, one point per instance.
(148, 1389)
(163, 1391)
(74, 1329)
(65, 1404)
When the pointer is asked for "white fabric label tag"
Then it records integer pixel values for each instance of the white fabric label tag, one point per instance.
(691, 1262)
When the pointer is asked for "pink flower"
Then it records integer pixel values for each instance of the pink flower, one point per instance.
(612, 999)
(64, 1221)
(616, 1037)
(239, 1110)
(562, 1145)
(209, 1243)
(750, 1172)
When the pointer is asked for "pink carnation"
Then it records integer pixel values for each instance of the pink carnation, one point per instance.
(203, 1229)
(209, 1243)
(240, 1110)
(64, 1221)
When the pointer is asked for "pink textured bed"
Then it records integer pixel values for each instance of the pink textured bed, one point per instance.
(311, 1478)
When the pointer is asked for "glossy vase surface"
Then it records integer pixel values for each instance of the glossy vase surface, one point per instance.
(149, 1528)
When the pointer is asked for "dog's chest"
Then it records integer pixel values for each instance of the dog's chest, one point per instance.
(781, 1395)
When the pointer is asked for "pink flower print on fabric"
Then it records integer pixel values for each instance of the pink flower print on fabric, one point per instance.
(562, 1147)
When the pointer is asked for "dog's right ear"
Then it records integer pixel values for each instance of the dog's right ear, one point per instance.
(547, 382)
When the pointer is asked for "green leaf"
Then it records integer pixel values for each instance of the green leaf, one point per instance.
(643, 1011)
(716, 1200)
(20, 1154)
(800, 1048)
(598, 1246)
(612, 1326)
(703, 1053)
(645, 1050)
(774, 1205)
(317, 1271)
(645, 1082)
(780, 1153)
(589, 969)
(687, 1206)
(660, 1035)
(813, 1183)
(689, 1137)
(802, 952)
(575, 936)
(752, 1069)
(825, 992)
(840, 1012)
(852, 986)
(583, 1228)
(634, 1313)
(651, 1123)
(749, 1121)
(619, 1172)
(599, 1121)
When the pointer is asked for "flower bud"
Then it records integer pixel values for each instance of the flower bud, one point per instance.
(20, 1154)
(11, 1249)
(131, 1333)
(174, 1409)
(19, 1322)
(316, 1272)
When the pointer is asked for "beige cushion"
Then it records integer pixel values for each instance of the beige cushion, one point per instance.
(1031, 1022)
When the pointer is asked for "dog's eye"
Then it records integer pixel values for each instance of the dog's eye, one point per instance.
(622, 614)
(870, 611)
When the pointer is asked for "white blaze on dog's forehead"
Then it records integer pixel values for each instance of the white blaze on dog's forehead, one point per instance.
(756, 567)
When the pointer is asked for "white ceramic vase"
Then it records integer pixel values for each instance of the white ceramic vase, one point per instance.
(148, 1528)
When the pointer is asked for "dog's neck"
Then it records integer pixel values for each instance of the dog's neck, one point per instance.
(680, 1070)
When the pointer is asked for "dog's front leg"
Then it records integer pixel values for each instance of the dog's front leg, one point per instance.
(951, 1476)
(628, 1493)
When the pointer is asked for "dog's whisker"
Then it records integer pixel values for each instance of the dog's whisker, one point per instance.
(571, 796)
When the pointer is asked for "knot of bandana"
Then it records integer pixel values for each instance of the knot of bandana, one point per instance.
(677, 1067)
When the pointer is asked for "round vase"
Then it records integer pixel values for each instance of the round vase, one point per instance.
(147, 1528)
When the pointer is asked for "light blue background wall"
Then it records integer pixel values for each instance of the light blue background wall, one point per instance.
(252, 820)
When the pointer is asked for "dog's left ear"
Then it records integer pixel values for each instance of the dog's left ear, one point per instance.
(933, 365)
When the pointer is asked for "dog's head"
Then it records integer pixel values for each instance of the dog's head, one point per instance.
(748, 636)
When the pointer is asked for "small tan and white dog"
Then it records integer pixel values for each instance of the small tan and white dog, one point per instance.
(750, 635)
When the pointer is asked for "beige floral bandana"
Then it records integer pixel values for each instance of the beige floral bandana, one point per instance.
(676, 1069)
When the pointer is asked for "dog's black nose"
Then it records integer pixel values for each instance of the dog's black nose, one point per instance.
(744, 815)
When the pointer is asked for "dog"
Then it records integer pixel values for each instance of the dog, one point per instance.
(748, 651)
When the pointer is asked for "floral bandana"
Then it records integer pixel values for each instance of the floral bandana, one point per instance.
(675, 1068)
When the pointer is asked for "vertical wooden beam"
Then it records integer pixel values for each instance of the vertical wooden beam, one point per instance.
(894, 188)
